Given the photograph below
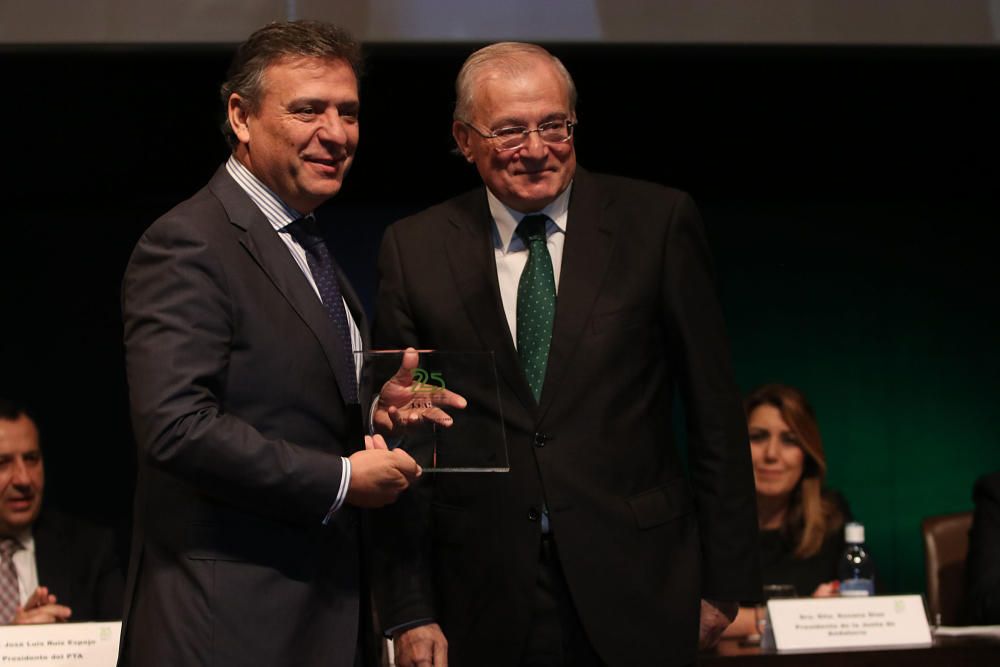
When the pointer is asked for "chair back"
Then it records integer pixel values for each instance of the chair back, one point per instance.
(946, 544)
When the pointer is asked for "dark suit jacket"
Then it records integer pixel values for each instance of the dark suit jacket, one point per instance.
(639, 541)
(983, 565)
(240, 425)
(77, 561)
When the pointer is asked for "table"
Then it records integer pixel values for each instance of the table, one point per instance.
(945, 652)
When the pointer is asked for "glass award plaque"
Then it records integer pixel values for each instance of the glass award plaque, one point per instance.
(475, 439)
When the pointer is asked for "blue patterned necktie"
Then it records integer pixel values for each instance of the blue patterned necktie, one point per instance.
(307, 233)
(536, 303)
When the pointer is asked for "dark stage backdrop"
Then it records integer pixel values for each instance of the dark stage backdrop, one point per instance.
(850, 196)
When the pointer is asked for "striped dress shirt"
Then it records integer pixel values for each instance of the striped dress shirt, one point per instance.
(280, 215)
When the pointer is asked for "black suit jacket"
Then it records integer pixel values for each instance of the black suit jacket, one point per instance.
(983, 566)
(77, 561)
(639, 540)
(241, 426)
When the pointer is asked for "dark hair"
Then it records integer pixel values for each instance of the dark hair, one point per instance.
(274, 42)
(11, 410)
(811, 516)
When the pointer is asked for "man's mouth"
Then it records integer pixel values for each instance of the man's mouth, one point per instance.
(20, 503)
(534, 172)
(326, 164)
(326, 159)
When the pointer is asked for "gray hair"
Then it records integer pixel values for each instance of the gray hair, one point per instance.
(274, 42)
(511, 58)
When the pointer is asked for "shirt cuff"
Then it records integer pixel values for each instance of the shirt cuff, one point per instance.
(403, 627)
(345, 483)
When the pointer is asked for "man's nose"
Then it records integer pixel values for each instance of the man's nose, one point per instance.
(21, 476)
(332, 129)
(533, 146)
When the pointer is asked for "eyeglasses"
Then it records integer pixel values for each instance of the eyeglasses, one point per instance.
(512, 138)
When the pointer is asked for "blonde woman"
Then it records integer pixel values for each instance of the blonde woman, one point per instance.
(801, 522)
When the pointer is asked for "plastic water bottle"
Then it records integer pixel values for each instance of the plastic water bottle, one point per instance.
(856, 569)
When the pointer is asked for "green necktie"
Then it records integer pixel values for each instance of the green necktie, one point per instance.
(536, 303)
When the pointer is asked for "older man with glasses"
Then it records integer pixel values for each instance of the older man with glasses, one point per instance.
(596, 296)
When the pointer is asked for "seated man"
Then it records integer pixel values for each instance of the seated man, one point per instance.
(52, 567)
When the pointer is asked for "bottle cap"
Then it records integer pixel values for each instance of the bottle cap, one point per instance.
(854, 533)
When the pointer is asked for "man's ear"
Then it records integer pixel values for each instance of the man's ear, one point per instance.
(463, 139)
(239, 118)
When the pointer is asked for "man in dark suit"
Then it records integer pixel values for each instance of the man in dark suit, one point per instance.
(240, 334)
(53, 567)
(983, 565)
(596, 548)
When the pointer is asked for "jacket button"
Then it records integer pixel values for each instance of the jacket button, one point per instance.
(533, 514)
(540, 439)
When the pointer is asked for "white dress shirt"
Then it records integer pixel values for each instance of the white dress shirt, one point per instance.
(512, 254)
(280, 215)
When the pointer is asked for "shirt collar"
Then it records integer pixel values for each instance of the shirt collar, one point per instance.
(277, 212)
(25, 539)
(506, 219)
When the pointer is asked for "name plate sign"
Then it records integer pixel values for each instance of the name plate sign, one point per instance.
(58, 644)
(808, 624)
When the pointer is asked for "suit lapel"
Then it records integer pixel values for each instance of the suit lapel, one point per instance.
(588, 247)
(51, 549)
(471, 256)
(357, 309)
(272, 256)
(355, 306)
